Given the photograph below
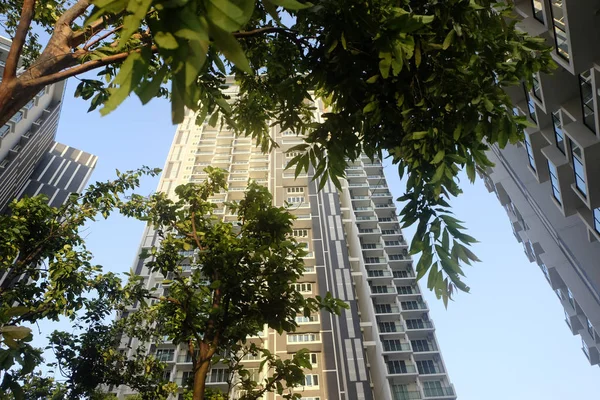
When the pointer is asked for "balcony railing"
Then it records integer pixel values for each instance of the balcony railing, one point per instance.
(438, 392)
(371, 246)
(398, 393)
(395, 367)
(379, 274)
(395, 345)
(383, 289)
(384, 194)
(420, 325)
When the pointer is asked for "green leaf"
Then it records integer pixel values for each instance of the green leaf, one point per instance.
(291, 4)
(370, 107)
(438, 157)
(229, 15)
(166, 40)
(230, 47)
(129, 76)
(439, 173)
(16, 311)
(15, 332)
(448, 40)
(137, 10)
(343, 39)
(149, 89)
(419, 135)
(373, 79)
(489, 106)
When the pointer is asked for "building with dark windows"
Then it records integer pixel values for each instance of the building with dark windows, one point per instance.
(384, 346)
(31, 162)
(550, 183)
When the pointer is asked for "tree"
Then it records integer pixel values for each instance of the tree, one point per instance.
(240, 278)
(419, 80)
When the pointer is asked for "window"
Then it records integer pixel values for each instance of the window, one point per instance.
(166, 376)
(401, 274)
(387, 327)
(538, 10)
(585, 348)
(29, 105)
(590, 328)
(394, 345)
(302, 337)
(300, 232)
(587, 99)
(559, 293)
(560, 28)
(433, 389)
(252, 357)
(597, 219)
(372, 260)
(392, 243)
(379, 289)
(369, 245)
(529, 151)
(530, 105)
(571, 299)
(292, 154)
(295, 189)
(313, 359)
(311, 380)
(288, 133)
(537, 88)
(558, 131)
(405, 289)
(415, 324)
(545, 271)
(4, 129)
(295, 199)
(217, 375)
(554, 182)
(186, 376)
(420, 345)
(394, 257)
(165, 354)
(397, 367)
(301, 319)
(303, 287)
(426, 367)
(17, 117)
(383, 308)
(577, 156)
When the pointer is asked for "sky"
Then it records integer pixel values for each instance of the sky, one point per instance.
(507, 339)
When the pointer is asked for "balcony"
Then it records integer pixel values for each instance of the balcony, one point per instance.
(363, 208)
(375, 260)
(368, 230)
(413, 306)
(390, 327)
(382, 194)
(371, 246)
(433, 393)
(379, 274)
(361, 197)
(386, 309)
(395, 345)
(363, 218)
(383, 290)
(399, 367)
(398, 393)
(411, 326)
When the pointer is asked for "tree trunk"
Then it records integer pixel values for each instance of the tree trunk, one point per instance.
(200, 379)
(13, 97)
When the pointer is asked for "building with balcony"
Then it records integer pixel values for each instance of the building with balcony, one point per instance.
(31, 162)
(550, 183)
(383, 347)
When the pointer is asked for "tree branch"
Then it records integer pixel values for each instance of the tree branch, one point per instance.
(80, 69)
(16, 48)
(100, 38)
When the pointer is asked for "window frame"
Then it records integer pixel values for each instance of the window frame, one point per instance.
(554, 181)
(587, 82)
(577, 159)
(557, 126)
(529, 150)
(567, 54)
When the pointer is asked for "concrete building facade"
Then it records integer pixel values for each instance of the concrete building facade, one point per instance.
(549, 184)
(31, 162)
(383, 347)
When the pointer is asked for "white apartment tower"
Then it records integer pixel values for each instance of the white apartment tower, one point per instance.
(383, 347)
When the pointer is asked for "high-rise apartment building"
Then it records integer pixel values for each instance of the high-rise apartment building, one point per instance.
(31, 162)
(384, 346)
(550, 183)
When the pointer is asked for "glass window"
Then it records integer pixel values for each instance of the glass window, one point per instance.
(538, 10)
(530, 105)
(597, 219)
(559, 293)
(420, 345)
(545, 271)
(434, 389)
(311, 380)
(570, 296)
(578, 167)
(554, 182)
(4, 129)
(590, 328)
(426, 367)
(529, 151)
(537, 88)
(29, 104)
(558, 131)
(560, 28)
(17, 117)
(585, 348)
(587, 100)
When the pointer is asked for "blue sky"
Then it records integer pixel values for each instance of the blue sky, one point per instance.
(505, 340)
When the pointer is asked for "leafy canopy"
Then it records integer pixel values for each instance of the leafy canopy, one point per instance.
(225, 283)
(421, 81)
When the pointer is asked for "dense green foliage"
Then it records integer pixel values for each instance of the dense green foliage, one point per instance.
(238, 278)
(419, 80)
